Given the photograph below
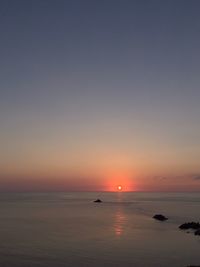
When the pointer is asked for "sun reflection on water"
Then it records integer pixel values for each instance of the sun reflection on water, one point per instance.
(119, 223)
(120, 219)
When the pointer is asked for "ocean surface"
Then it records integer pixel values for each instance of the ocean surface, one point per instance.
(69, 230)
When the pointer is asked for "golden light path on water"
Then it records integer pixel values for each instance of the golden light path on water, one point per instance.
(120, 218)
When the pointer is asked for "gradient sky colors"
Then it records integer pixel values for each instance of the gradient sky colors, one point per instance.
(99, 93)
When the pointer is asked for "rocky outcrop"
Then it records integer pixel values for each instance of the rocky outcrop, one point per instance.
(197, 232)
(190, 225)
(160, 217)
(195, 226)
(98, 200)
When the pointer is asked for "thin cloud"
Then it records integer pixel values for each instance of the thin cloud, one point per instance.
(196, 177)
(160, 178)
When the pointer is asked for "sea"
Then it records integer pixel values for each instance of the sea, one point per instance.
(69, 230)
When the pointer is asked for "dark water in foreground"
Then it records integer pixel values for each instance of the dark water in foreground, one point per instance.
(68, 229)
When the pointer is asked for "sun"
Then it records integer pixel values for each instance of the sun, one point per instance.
(119, 187)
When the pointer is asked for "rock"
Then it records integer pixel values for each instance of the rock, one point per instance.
(197, 232)
(98, 200)
(190, 225)
(160, 217)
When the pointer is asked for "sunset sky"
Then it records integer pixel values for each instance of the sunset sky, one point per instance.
(96, 94)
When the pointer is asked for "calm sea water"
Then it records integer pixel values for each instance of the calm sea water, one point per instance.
(68, 229)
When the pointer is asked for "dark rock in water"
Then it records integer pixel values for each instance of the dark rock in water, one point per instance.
(190, 225)
(98, 200)
(160, 217)
(197, 232)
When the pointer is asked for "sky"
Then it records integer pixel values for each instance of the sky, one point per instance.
(98, 93)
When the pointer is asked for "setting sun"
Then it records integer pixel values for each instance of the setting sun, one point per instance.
(119, 187)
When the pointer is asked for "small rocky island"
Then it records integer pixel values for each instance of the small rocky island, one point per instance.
(160, 217)
(197, 232)
(191, 226)
(98, 200)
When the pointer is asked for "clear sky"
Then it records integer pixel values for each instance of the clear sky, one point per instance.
(99, 93)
